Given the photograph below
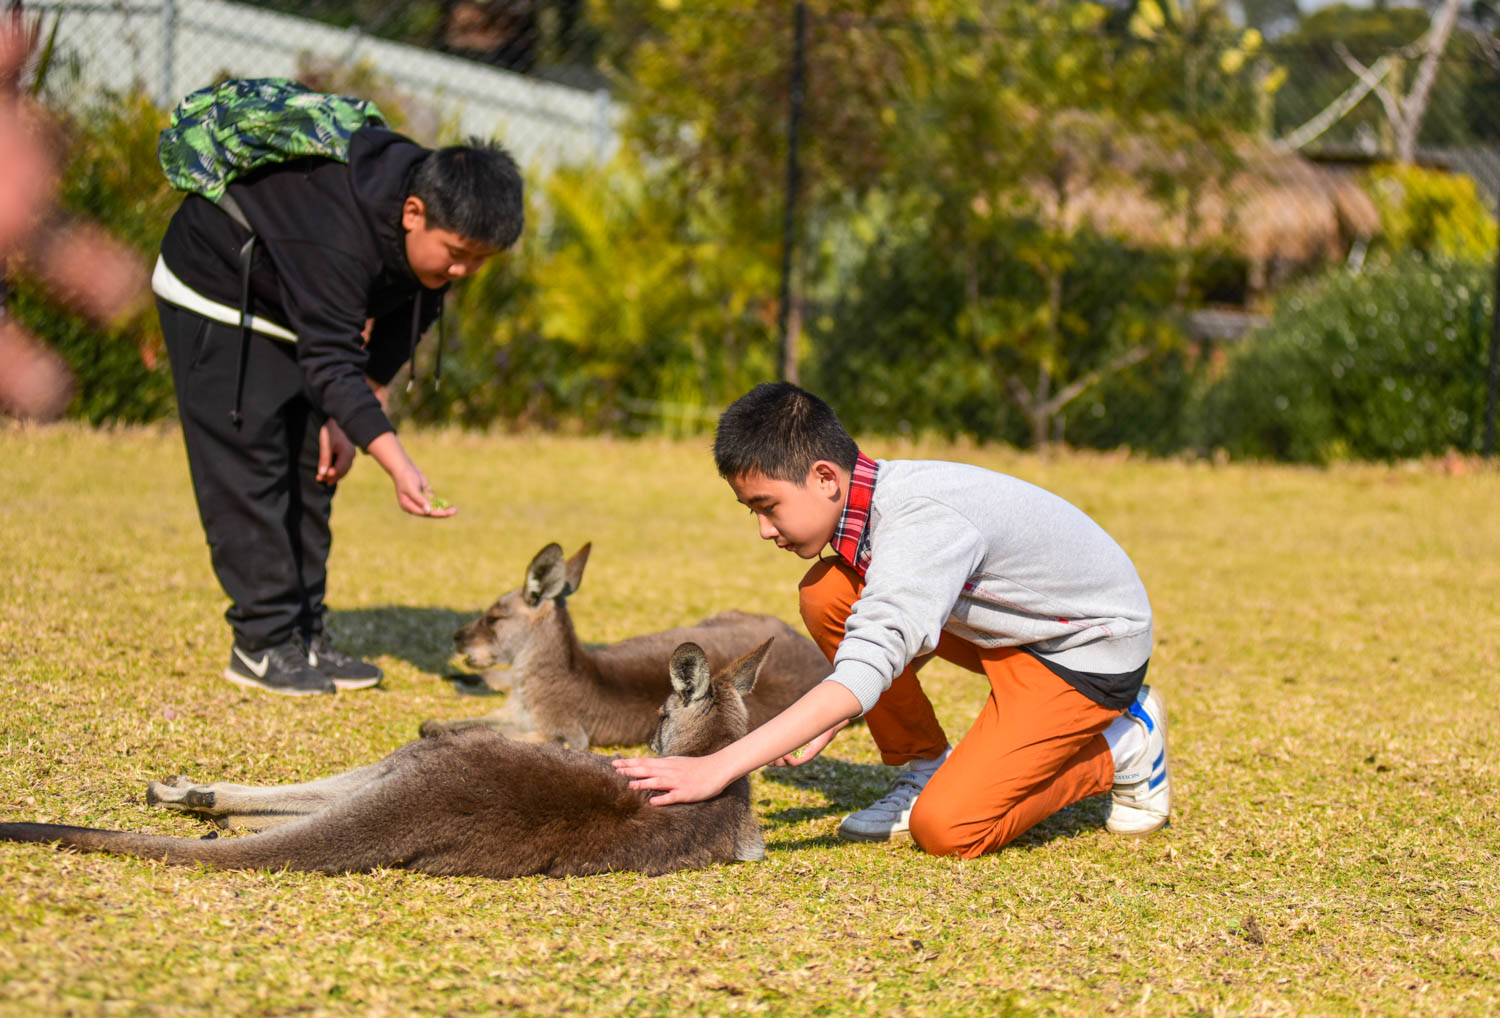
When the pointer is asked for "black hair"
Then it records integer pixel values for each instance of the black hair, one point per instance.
(473, 190)
(780, 431)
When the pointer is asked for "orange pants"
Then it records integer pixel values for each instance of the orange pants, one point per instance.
(1037, 745)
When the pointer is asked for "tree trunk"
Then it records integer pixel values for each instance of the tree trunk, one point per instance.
(791, 344)
(1414, 106)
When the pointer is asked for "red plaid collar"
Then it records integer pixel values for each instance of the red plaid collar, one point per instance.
(851, 539)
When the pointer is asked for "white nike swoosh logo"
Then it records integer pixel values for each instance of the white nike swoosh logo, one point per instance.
(258, 668)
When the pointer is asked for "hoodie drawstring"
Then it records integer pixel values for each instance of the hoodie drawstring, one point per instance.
(416, 334)
(442, 341)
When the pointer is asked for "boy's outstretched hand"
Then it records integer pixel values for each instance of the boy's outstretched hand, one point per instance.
(413, 493)
(809, 723)
(416, 497)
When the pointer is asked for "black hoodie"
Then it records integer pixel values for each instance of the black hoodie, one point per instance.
(332, 253)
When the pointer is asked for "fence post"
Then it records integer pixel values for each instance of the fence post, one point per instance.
(787, 329)
(168, 95)
(1493, 394)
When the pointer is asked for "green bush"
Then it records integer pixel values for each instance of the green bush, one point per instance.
(1386, 364)
(884, 347)
(629, 291)
(900, 347)
(1145, 407)
(1436, 213)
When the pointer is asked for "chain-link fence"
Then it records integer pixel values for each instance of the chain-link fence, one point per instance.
(1161, 224)
(170, 47)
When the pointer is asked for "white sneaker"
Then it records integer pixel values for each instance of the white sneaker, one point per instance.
(889, 816)
(1141, 800)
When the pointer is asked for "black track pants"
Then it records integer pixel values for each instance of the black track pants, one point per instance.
(265, 516)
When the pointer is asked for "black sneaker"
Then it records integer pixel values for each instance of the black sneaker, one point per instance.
(347, 672)
(280, 669)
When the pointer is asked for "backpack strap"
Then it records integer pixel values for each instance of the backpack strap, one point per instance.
(228, 204)
(247, 258)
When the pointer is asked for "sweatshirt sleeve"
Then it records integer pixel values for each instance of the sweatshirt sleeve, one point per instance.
(921, 555)
(325, 292)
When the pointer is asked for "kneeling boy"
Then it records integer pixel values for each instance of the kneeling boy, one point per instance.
(981, 569)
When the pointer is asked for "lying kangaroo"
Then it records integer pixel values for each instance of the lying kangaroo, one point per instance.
(474, 803)
(607, 696)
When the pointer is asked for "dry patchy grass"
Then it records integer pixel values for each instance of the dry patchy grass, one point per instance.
(1327, 639)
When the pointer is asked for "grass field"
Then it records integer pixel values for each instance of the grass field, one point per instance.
(1329, 642)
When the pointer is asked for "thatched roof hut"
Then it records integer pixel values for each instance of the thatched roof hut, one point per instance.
(1267, 205)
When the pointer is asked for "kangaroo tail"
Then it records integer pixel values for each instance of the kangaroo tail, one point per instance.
(284, 847)
(92, 839)
(332, 841)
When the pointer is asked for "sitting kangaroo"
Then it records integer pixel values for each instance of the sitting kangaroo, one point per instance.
(474, 803)
(607, 696)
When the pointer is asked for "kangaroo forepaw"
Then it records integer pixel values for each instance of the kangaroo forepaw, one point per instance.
(180, 793)
(199, 799)
(433, 727)
(160, 792)
(163, 793)
(577, 738)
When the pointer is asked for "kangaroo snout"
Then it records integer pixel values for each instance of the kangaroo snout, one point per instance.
(474, 643)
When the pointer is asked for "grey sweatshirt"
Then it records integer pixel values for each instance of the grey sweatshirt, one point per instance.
(998, 562)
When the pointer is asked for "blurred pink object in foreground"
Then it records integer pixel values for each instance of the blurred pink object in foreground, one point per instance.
(78, 263)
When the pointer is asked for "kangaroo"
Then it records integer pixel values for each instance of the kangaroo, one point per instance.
(607, 696)
(475, 803)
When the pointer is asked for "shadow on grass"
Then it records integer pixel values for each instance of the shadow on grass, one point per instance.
(1075, 821)
(422, 637)
(823, 841)
(801, 814)
(851, 786)
(848, 786)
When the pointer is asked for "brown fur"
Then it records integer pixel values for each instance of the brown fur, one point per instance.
(475, 803)
(607, 696)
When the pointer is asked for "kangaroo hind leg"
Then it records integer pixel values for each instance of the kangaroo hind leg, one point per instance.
(513, 719)
(256, 807)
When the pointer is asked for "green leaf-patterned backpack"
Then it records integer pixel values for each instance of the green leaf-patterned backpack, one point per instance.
(225, 131)
(221, 133)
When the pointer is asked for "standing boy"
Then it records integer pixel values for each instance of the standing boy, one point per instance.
(349, 268)
(984, 570)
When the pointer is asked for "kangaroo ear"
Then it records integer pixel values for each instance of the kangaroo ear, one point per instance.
(746, 670)
(546, 576)
(575, 567)
(689, 670)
